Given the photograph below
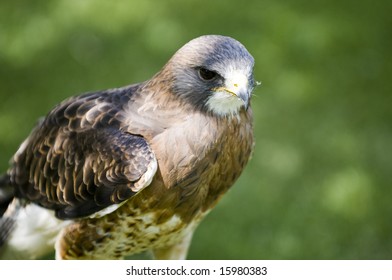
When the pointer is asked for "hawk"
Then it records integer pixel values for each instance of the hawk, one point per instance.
(113, 173)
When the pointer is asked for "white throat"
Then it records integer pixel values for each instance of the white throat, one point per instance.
(223, 103)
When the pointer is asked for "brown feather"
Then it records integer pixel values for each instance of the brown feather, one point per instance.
(89, 169)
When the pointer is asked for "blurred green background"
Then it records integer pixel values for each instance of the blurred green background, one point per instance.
(319, 184)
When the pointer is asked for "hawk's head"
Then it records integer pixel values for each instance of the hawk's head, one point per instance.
(214, 73)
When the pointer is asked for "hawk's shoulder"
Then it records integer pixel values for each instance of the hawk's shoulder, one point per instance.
(92, 110)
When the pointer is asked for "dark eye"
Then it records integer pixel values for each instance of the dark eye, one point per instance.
(207, 75)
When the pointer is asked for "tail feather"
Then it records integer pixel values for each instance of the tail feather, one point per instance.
(7, 225)
(7, 222)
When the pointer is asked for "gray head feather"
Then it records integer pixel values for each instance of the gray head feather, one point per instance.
(216, 53)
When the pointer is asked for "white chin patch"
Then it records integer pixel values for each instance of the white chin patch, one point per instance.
(223, 103)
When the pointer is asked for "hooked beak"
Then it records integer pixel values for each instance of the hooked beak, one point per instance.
(238, 85)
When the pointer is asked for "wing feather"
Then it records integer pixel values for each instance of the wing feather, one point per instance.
(78, 161)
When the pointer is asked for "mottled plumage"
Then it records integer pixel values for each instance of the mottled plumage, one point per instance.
(125, 170)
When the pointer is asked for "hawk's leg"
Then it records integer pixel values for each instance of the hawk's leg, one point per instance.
(177, 251)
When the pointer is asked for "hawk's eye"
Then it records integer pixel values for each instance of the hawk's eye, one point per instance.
(207, 75)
